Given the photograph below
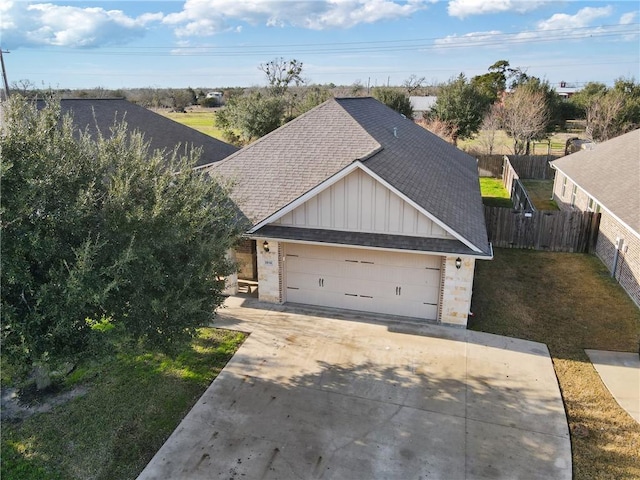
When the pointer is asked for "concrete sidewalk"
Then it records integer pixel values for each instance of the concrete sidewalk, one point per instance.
(321, 394)
(620, 372)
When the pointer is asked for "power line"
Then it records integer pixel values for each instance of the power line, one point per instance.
(517, 38)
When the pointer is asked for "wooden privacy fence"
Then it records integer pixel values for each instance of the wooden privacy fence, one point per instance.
(555, 231)
(513, 185)
(534, 167)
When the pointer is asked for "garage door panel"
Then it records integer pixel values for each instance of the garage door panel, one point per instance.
(392, 283)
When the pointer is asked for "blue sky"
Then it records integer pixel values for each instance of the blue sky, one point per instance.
(220, 43)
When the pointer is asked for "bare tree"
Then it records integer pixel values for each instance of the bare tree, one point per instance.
(491, 123)
(446, 130)
(603, 115)
(281, 73)
(413, 83)
(525, 117)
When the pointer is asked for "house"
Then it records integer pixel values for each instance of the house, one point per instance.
(422, 105)
(566, 91)
(606, 179)
(162, 133)
(353, 206)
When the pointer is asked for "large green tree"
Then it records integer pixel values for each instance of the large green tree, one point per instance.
(462, 106)
(248, 117)
(395, 99)
(101, 235)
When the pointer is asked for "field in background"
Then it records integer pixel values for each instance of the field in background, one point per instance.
(198, 118)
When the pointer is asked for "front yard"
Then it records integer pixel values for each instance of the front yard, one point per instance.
(126, 407)
(569, 302)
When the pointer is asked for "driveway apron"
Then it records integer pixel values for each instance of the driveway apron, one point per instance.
(320, 393)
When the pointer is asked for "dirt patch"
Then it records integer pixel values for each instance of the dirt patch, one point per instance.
(18, 405)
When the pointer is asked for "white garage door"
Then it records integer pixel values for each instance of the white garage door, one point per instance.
(402, 284)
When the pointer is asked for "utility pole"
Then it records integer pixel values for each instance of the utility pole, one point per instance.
(4, 75)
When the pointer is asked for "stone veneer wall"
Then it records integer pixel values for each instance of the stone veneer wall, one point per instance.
(269, 280)
(457, 290)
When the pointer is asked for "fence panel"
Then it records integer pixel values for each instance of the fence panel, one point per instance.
(533, 167)
(557, 231)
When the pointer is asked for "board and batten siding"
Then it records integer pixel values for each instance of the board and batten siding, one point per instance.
(359, 203)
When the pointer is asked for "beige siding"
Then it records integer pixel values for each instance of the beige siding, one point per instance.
(359, 203)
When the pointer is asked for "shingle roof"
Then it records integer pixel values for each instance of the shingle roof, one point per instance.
(285, 164)
(161, 133)
(282, 166)
(610, 173)
(374, 240)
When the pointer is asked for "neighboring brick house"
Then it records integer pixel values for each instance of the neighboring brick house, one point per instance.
(353, 206)
(606, 179)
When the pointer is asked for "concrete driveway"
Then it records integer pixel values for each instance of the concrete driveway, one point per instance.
(323, 394)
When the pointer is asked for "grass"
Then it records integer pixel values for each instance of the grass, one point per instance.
(134, 402)
(201, 119)
(493, 193)
(503, 144)
(540, 192)
(569, 302)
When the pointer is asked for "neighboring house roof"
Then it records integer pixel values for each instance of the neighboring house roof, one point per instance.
(162, 133)
(610, 173)
(422, 103)
(282, 166)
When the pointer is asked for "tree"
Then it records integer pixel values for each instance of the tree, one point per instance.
(609, 112)
(248, 117)
(413, 83)
(281, 73)
(492, 84)
(394, 99)
(525, 116)
(461, 105)
(491, 123)
(103, 240)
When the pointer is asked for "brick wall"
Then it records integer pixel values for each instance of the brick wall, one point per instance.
(628, 262)
(628, 266)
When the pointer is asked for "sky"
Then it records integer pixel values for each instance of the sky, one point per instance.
(221, 43)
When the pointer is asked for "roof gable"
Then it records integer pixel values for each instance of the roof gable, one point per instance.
(610, 173)
(286, 164)
(162, 133)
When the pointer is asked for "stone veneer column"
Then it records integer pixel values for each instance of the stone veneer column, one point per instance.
(456, 295)
(269, 272)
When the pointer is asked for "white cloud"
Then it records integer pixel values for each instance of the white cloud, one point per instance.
(583, 18)
(42, 24)
(206, 17)
(628, 18)
(466, 8)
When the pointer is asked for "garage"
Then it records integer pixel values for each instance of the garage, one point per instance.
(394, 283)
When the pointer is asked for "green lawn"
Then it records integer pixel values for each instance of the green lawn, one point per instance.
(134, 402)
(569, 302)
(202, 120)
(493, 193)
(540, 192)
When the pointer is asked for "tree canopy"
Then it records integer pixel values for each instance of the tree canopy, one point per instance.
(103, 239)
(462, 106)
(395, 99)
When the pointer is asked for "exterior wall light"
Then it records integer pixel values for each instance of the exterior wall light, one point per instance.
(458, 263)
(265, 247)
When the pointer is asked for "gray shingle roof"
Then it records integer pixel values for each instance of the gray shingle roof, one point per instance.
(282, 166)
(161, 133)
(610, 173)
(374, 240)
